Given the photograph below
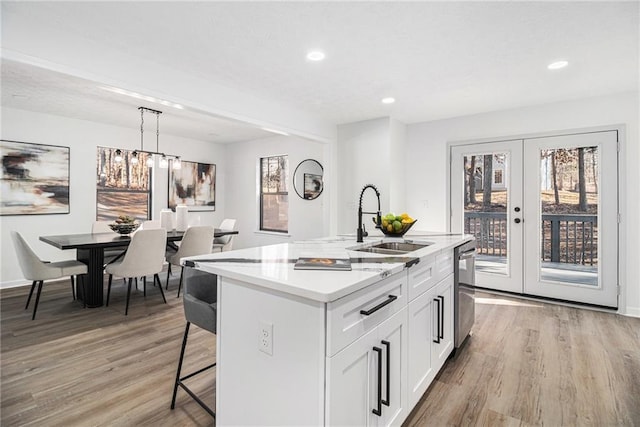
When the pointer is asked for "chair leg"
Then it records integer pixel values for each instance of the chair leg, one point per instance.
(156, 277)
(168, 274)
(180, 283)
(184, 346)
(109, 289)
(73, 288)
(35, 307)
(126, 310)
(33, 286)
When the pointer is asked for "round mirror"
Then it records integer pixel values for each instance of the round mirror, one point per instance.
(307, 179)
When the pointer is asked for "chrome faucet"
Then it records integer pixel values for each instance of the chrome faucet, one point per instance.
(361, 232)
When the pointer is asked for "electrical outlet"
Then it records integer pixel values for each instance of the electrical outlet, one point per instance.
(265, 337)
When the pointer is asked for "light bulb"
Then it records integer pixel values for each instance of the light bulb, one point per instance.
(134, 158)
(118, 157)
(164, 163)
(177, 164)
(150, 161)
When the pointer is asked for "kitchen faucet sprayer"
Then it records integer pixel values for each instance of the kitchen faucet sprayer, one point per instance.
(361, 232)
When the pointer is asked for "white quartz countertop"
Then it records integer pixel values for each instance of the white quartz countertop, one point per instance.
(271, 267)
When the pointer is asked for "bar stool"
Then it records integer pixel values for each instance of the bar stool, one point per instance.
(200, 303)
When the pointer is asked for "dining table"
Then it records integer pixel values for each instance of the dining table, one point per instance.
(90, 250)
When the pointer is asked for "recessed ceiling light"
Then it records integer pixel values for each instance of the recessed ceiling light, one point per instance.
(279, 132)
(315, 55)
(557, 65)
(388, 100)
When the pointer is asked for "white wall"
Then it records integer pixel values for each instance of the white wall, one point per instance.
(307, 218)
(83, 137)
(370, 152)
(426, 163)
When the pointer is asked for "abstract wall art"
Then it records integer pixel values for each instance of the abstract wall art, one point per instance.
(35, 178)
(194, 185)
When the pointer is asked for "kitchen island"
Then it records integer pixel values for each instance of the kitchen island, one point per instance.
(310, 347)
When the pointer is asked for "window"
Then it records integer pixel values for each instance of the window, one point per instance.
(122, 188)
(274, 197)
(497, 176)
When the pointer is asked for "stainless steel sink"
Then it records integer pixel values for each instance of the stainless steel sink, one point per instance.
(392, 248)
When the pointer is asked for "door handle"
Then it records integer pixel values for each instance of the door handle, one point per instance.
(437, 340)
(388, 345)
(389, 300)
(441, 335)
(378, 410)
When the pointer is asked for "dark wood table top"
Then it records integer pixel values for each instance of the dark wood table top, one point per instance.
(108, 240)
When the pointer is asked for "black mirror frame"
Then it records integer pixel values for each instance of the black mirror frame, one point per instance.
(296, 184)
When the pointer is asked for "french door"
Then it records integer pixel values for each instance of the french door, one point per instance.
(544, 212)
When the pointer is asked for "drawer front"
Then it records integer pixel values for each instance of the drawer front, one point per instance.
(346, 323)
(444, 265)
(422, 277)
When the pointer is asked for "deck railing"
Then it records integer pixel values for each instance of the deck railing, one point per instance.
(571, 239)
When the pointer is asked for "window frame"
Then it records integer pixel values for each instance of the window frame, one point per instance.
(148, 192)
(262, 194)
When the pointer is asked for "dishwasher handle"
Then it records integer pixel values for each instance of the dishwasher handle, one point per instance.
(467, 254)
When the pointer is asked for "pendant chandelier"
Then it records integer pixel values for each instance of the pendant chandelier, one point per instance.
(164, 158)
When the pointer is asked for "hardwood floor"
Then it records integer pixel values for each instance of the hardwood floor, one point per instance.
(533, 363)
(527, 363)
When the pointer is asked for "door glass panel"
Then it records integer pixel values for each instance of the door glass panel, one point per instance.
(485, 209)
(569, 215)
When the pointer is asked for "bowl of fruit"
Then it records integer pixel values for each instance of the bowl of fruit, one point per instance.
(124, 224)
(396, 225)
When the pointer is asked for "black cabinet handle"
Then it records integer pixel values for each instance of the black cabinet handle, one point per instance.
(437, 340)
(388, 345)
(517, 220)
(441, 322)
(389, 300)
(378, 411)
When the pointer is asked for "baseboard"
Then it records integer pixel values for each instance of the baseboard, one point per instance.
(18, 283)
(633, 312)
(14, 284)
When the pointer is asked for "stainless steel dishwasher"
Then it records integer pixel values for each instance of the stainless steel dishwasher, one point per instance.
(464, 276)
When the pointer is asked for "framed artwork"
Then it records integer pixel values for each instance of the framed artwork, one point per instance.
(122, 187)
(312, 185)
(35, 178)
(193, 185)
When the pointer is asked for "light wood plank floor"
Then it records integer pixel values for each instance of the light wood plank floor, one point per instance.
(527, 363)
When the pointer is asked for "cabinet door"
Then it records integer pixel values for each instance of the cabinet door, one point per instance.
(393, 338)
(421, 335)
(352, 383)
(443, 317)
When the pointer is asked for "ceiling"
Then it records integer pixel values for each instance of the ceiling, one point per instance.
(437, 59)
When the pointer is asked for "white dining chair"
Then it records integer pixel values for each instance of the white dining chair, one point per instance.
(38, 271)
(197, 240)
(144, 257)
(224, 243)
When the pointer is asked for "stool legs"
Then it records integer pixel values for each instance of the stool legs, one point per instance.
(184, 346)
(179, 380)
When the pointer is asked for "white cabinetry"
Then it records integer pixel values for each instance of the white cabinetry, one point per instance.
(421, 334)
(443, 331)
(430, 322)
(366, 383)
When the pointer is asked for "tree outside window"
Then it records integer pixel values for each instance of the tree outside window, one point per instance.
(122, 188)
(274, 195)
